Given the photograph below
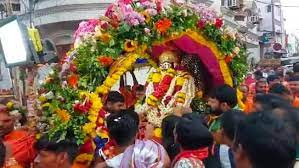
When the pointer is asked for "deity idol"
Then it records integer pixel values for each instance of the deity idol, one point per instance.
(169, 86)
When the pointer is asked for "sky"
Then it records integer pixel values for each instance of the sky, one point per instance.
(291, 14)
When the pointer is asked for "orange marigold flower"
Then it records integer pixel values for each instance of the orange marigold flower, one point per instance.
(105, 37)
(73, 80)
(163, 25)
(130, 45)
(105, 61)
(63, 115)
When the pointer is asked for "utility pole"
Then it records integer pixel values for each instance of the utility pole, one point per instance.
(273, 19)
(31, 9)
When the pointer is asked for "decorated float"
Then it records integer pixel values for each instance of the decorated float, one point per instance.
(186, 46)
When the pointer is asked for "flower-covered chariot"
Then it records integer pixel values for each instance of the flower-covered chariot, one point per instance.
(187, 47)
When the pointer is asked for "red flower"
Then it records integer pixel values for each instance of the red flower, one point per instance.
(127, 2)
(163, 25)
(228, 59)
(82, 108)
(73, 81)
(159, 6)
(105, 61)
(219, 23)
(201, 24)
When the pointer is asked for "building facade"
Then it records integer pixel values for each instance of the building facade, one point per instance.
(272, 25)
(58, 19)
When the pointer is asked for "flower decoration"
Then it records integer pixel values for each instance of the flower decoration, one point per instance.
(129, 29)
(73, 80)
(163, 25)
(146, 16)
(105, 61)
(105, 37)
(130, 45)
(219, 23)
(63, 115)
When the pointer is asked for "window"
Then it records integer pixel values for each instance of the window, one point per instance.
(269, 8)
(16, 7)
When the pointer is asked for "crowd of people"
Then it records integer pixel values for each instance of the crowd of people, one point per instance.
(265, 134)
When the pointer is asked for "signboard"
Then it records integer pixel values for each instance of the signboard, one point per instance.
(270, 62)
(266, 37)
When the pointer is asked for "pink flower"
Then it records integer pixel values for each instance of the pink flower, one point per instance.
(134, 18)
(87, 27)
(127, 2)
(147, 30)
(178, 2)
(152, 12)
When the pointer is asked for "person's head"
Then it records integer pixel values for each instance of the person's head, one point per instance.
(168, 125)
(140, 91)
(294, 85)
(282, 91)
(296, 68)
(123, 128)
(268, 102)
(222, 99)
(114, 102)
(191, 134)
(145, 153)
(273, 79)
(245, 91)
(258, 74)
(261, 86)
(263, 141)
(7, 122)
(229, 123)
(56, 153)
(2, 154)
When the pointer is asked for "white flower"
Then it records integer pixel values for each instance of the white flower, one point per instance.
(49, 95)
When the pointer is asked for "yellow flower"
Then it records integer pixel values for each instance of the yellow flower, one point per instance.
(10, 105)
(84, 157)
(92, 118)
(42, 99)
(63, 115)
(181, 95)
(102, 90)
(156, 78)
(146, 16)
(115, 76)
(109, 82)
(88, 128)
(180, 81)
(105, 37)
(171, 71)
(101, 121)
(130, 45)
(158, 132)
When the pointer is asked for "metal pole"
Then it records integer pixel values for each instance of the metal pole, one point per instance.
(273, 20)
(31, 5)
